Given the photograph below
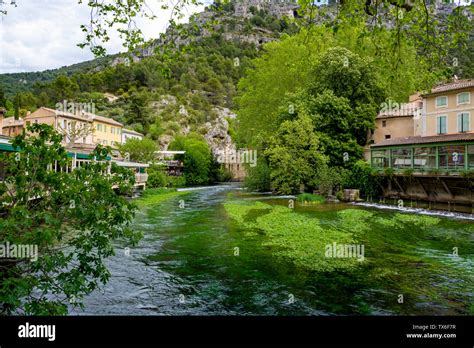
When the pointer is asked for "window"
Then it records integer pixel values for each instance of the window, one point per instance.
(401, 158)
(384, 123)
(441, 102)
(470, 153)
(463, 122)
(112, 130)
(387, 136)
(451, 157)
(424, 157)
(99, 127)
(441, 124)
(464, 98)
(105, 128)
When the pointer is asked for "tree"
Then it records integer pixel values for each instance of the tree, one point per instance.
(139, 150)
(71, 218)
(75, 131)
(343, 101)
(64, 88)
(138, 110)
(294, 156)
(197, 160)
(17, 104)
(3, 99)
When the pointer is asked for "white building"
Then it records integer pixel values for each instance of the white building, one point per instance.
(130, 134)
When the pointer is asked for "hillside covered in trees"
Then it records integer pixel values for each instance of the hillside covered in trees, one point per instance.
(254, 59)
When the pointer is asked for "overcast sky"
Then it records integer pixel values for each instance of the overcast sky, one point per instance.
(43, 34)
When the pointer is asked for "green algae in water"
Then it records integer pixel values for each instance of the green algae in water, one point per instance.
(295, 237)
(405, 254)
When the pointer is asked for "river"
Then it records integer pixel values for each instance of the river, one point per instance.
(186, 264)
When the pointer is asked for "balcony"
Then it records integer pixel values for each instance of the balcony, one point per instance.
(141, 178)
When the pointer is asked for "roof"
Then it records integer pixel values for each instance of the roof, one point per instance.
(84, 116)
(170, 152)
(451, 86)
(10, 121)
(125, 130)
(103, 119)
(4, 139)
(426, 139)
(130, 164)
(63, 113)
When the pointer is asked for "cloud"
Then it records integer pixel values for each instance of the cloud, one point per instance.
(43, 34)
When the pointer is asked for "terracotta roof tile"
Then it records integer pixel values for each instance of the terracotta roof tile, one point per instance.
(452, 86)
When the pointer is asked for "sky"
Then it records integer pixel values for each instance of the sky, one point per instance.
(43, 34)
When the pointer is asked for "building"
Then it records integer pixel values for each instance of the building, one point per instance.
(448, 109)
(80, 157)
(107, 131)
(398, 120)
(76, 128)
(130, 134)
(171, 165)
(11, 127)
(443, 125)
(435, 159)
(84, 130)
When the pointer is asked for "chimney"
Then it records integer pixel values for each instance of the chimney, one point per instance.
(2, 115)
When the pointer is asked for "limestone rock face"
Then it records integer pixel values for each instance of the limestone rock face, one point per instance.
(278, 8)
(217, 136)
(215, 131)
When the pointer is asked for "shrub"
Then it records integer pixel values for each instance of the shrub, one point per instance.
(364, 178)
(176, 181)
(258, 177)
(156, 177)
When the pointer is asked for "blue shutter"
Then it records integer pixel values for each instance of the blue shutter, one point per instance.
(465, 122)
(443, 124)
(460, 123)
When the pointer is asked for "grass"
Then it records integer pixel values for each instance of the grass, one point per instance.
(158, 195)
(310, 198)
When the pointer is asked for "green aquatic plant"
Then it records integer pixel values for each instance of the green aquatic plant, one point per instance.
(295, 237)
(402, 221)
(239, 211)
(354, 220)
(310, 198)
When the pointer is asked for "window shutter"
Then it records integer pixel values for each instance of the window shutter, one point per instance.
(460, 123)
(465, 122)
(438, 125)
